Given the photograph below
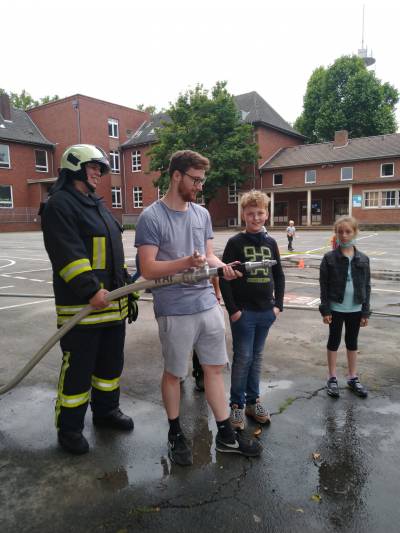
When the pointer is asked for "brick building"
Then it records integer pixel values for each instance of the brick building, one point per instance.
(82, 119)
(271, 133)
(26, 168)
(314, 184)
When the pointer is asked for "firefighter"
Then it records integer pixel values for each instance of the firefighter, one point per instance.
(84, 244)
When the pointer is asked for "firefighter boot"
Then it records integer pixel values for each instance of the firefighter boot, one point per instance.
(73, 442)
(114, 420)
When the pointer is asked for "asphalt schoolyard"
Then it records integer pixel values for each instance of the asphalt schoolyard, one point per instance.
(327, 465)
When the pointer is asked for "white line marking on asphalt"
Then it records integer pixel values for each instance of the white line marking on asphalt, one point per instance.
(11, 262)
(24, 258)
(22, 305)
(7, 287)
(18, 277)
(30, 271)
(41, 280)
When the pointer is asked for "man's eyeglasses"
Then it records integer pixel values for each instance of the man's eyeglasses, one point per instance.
(196, 181)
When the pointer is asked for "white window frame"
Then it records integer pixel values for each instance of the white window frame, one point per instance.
(136, 160)
(341, 174)
(233, 194)
(113, 125)
(137, 194)
(41, 168)
(273, 179)
(396, 199)
(2, 163)
(380, 199)
(315, 176)
(115, 158)
(116, 192)
(11, 197)
(387, 175)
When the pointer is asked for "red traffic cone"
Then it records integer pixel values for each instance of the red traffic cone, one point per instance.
(301, 263)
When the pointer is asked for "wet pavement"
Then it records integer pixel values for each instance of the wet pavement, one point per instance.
(328, 465)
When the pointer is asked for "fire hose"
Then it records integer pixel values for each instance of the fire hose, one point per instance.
(187, 277)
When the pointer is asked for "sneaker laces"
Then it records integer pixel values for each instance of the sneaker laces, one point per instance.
(237, 414)
(260, 410)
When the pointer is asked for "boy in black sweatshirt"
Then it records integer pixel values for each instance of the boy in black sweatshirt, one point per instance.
(253, 303)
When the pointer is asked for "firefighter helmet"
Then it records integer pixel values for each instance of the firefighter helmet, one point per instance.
(75, 156)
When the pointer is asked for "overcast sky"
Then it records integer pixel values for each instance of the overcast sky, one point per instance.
(146, 52)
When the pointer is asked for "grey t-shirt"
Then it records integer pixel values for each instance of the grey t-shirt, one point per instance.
(177, 234)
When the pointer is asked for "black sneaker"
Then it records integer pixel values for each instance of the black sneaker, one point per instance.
(73, 442)
(357, 388)
(332, 388)
(114, 420)
(242, 445)
(179, 451)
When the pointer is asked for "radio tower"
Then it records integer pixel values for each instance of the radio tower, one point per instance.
(363, 52)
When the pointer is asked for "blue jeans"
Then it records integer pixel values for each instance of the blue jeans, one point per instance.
(249, 334)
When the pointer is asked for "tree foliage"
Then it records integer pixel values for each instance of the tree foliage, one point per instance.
(347, 95)
(24, 100)
(211, 125)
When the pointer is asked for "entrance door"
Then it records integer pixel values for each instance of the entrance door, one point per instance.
(315, 213)
(340, 207)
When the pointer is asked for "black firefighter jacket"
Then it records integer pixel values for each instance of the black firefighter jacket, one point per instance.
(84, 244)
(333, 276)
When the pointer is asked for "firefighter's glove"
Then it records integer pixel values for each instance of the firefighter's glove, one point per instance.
(133, 308)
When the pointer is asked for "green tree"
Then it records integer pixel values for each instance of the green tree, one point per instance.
(24, 100)
(346, 95)
(149, 108)
(211, 125)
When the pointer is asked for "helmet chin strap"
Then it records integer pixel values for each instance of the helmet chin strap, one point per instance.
(81, 176)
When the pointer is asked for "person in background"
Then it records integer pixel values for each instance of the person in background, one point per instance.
(172, 235)
(84, 244)
(253, 302)
(291, 233)
(345, 288)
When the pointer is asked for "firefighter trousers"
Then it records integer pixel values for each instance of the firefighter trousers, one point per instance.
(92, 365)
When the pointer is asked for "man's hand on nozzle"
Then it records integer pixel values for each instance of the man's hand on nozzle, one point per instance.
(197, 260)
(99, 300)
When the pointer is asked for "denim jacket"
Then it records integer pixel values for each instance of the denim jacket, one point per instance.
(333, 276)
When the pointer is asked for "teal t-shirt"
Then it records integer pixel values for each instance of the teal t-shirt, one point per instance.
(348, 305)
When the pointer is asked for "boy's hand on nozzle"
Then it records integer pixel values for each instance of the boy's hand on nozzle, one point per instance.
(327, 319)
(197, 260)
(230, 273)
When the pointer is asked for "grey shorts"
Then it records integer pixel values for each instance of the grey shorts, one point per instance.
(179, 334)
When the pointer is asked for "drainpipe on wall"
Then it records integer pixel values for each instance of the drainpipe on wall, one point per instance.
(75, 105)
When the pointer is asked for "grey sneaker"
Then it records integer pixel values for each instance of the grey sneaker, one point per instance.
(237, 417)
(258, 412)
(332, 388)
(357, 388)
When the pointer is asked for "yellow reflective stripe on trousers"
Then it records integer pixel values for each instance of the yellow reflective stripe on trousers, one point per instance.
(75, 268)
(99, 253)
(94, 319)
(105, 385)
(64, 368)
(73, 309)
(75, 400)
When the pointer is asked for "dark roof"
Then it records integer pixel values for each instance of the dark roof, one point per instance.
(21, 129)
(362, 148)
(255, 110)
(145, 134)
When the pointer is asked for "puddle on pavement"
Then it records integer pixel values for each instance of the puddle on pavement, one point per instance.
(282, 384)
(390, 409)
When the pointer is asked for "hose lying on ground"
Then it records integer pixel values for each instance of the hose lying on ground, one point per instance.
(190, 277)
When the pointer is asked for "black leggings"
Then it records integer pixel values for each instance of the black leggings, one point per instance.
(352, 325)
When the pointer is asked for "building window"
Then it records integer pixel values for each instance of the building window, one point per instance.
(113, 129)
(137, 197)
(200, 199)
(310, 176)
(371, 199)
(277, 179)
(346, 173)
(116, 197)
(41, 161)
(389, 198)
(233, 196)
(4, 156)
(387, 170)
(136, 161)
(114, 161)
(6, 197)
